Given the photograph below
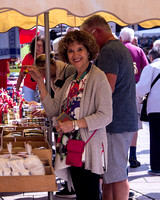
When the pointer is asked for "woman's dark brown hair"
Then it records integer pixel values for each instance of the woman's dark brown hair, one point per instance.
(80, 37)
(32, 44)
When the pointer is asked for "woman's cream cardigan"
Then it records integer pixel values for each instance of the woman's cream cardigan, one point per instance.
(96, 108)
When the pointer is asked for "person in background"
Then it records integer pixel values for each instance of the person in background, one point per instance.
(135, 41)
(153, 106)
(126, 36)
(68, 29)
(4, 70)
(87, 98)
(139, 58)
(59, 72)
(29, 89)
(156, 43)
(115, 60)
(9, 50)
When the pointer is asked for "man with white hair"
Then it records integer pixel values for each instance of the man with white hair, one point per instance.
(139, 57)
(156, 43)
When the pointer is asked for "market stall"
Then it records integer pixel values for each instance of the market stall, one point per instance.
(51, 13)
(25, 153)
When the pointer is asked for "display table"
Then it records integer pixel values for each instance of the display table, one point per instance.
(41, 148)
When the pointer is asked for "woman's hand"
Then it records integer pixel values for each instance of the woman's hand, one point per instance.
(64, 127)
(39, 113)
(35, 74)
(33, 103)
(68, 126)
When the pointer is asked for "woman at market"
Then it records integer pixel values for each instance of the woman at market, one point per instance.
(143, 87)
(59, 72)
(86, 97)
(30, 86)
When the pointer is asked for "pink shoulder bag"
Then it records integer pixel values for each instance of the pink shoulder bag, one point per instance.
(75, 149)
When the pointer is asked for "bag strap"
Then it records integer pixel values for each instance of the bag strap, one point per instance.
(65, 71)
(155, 80)
(90, 137)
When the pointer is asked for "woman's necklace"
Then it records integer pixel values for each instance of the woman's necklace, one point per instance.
(83, 75)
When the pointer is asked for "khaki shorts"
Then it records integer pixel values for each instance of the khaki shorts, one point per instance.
(118, 146)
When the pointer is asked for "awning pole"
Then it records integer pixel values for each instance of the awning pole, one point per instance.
(35, 46)
(47, 62)
(47, 51)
